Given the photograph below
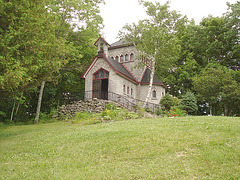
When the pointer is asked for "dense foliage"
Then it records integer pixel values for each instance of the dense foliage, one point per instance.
(52, 41)
(209, 63)
(156, 38)
(189, 103)
(40, 41)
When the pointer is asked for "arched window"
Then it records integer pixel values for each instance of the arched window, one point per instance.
(124, 88)
(127, 90)
(117, 58)
(121, 58)
(131, 57)
(154, 94)
(131, 91)
(101, 74)
(126, 57)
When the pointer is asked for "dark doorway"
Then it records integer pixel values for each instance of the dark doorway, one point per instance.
(104, 90)
(100, 84)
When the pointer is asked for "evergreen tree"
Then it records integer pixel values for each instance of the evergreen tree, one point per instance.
(189, 103)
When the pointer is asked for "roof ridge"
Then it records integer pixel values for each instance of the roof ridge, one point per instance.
(130, 73)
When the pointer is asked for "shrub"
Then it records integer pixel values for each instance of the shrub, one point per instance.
(189, 103)
(167, 101)
(140, 110)
(3, 114)
(176, 112)
(109, 114)
(85, 118)
(110, 106)
(161, 112)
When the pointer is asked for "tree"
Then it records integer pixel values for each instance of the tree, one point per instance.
(216, 85)
(67, 12)
(29, 51)
(232, 26)
(156, 38)
(215, 40)
(33, 40)
(188, 103)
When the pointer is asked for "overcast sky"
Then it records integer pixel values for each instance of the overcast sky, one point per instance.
(117, 13)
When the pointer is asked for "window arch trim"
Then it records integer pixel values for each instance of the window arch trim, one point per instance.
(101, 74)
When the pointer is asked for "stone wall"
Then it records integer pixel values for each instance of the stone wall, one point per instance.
(91, 106)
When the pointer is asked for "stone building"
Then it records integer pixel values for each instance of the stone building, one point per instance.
(113, 72)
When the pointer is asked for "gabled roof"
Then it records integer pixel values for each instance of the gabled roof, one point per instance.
(117, 67)
(100, 38)
(146, 78)
(121, 69)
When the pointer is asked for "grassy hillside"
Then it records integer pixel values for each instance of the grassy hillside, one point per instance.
(165, 148)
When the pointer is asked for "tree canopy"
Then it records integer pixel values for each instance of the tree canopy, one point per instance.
(37, 43)
(156, 38)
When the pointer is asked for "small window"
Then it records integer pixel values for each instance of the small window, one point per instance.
(127, 90)
(154, 94)
(132, 57)
(131, 91)
(126, 57)
(124, 88)
(121, 58)
(117, 58)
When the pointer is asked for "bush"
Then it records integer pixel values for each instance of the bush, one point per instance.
(110, 106)
(161, 112)
(140, 110)
(168, 101)
(85, 118)
(176, 112)
(118, 114)
(189, 103)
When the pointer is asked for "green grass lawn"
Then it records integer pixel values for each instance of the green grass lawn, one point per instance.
(164, 148)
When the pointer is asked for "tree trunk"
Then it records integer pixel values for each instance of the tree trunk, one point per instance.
(13, 110)
(39, 102)
(150, 83)
(17, 109)
(210, 109)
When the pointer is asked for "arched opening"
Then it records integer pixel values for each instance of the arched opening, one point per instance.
(100, 84)
(154, 94)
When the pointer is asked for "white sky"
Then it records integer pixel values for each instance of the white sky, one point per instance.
(117, 13)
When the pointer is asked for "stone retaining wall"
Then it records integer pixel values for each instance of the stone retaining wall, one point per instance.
(91, 106)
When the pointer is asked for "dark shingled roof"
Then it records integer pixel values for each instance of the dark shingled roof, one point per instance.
(146, 78)
(120, 43)
(120, 68)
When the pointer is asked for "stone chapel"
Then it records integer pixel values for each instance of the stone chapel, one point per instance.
(113, 72)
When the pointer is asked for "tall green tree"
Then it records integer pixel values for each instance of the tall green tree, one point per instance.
(34, 42)
(156, 38)
(216, 85)
(232, 26)
(29, 51)
(70, 15)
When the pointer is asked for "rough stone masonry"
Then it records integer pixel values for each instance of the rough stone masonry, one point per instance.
(92, 106)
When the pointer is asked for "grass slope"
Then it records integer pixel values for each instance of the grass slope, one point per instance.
(166, 148)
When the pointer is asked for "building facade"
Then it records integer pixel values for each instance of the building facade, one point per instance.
(114, 71)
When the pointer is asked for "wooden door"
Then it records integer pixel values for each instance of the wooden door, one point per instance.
(97, 89)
